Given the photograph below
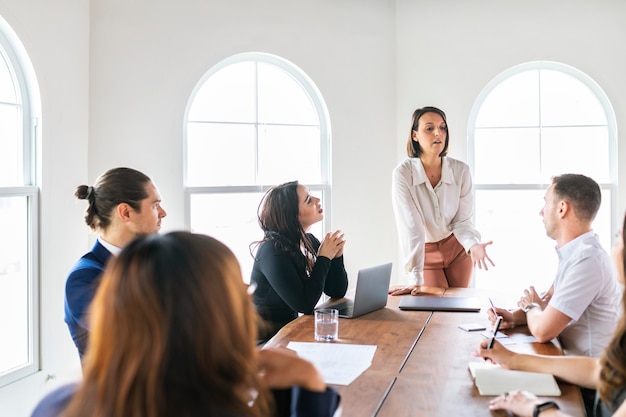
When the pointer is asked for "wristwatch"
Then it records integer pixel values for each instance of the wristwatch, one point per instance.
(544, 406)
(530, 306)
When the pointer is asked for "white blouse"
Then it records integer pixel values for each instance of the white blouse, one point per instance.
(424, 214)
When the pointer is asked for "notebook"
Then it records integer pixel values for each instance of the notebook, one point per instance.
(491, 379)
(371, 292)
(430, 303)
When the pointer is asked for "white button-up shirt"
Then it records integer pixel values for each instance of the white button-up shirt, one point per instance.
(426, 214)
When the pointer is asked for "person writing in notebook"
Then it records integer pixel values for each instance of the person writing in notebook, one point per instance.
(607, 374)
(174, 334)
(123, 204)
(433, 203)
(292, 268)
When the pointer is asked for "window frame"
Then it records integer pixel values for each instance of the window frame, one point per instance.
(611, 187)
(324, 187)
(27, 89)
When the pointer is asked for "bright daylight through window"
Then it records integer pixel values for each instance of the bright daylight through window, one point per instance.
(19, 349)
(531, 122)
(250, 122)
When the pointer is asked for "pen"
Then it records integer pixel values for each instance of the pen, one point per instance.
(495, 331)
(493, 307)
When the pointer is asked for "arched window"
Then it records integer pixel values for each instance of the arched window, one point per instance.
(253, 121)
(531, 122)
(19, 121)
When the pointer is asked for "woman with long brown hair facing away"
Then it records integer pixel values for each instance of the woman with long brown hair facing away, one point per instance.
(174, 334)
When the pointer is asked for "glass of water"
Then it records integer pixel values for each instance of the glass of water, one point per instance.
(326, 324)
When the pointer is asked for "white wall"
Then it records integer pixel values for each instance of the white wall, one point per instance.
(55, 35)
(449, 50)
(115, 77)
(147, 56)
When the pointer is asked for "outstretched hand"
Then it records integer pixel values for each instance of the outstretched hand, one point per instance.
(478, 253)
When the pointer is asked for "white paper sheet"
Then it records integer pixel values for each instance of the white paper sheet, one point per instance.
(339, 363)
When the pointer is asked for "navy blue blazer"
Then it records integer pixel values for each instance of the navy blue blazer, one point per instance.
(80, 288)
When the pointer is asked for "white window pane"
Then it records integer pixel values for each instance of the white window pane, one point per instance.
(521, 250)
(227, 96)
(289, 153)
(14, 290)
(582, 145)
(7, 87)
(565, 101)
(11, 154)
(220, 154)
(506, 156)
(512, 103)
(571, 135)
(282, 99)
(232, 219)
(261, 128)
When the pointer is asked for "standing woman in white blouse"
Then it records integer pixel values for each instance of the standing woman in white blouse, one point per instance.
(433, 202)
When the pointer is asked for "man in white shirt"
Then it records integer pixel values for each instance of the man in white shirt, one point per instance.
(582, 306)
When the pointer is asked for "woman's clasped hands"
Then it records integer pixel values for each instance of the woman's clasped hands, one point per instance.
(332, 245)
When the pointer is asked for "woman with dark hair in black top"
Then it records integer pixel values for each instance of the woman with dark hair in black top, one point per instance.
(291, 267)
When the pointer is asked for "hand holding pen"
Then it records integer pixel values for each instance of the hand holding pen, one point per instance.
(486, 346)
(508, 318)
(493, 309)
(495, 332)
(493, 351)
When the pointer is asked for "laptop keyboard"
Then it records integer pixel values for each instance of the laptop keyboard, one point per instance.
(345, 307)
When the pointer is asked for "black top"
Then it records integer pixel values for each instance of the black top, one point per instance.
(283, 288)
(606, 410)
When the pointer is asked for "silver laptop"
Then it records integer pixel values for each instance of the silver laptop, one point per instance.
(371, 292)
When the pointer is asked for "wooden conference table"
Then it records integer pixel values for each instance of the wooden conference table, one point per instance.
(420, 367)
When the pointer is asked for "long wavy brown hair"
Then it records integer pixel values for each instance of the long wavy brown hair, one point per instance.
(613, 360)
(173, 333)
(278, 216)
